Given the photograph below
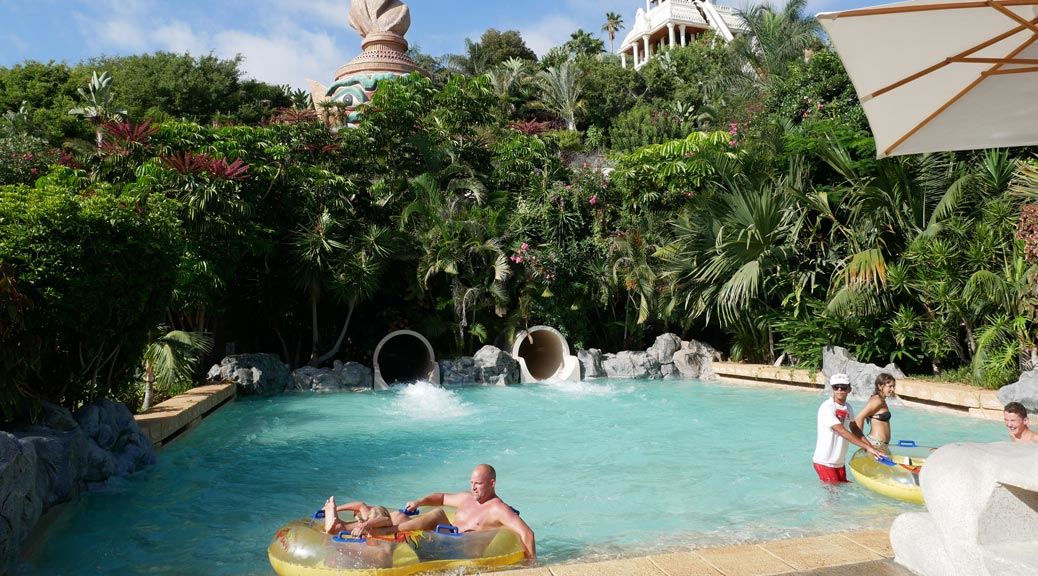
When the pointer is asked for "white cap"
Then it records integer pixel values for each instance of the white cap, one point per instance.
(840, 378)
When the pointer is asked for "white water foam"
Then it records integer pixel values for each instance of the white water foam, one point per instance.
(582, 388)
(427, 401)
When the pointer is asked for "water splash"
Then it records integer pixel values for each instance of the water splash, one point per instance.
(427, 401)
(582, 388)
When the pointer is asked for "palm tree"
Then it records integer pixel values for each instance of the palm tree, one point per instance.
(613, 24)
(776, 38)
(98, 100)
(169, 361)
(561, 91)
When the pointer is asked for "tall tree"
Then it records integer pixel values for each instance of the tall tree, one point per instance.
(613, 24)
(560, 92)
(492, 48)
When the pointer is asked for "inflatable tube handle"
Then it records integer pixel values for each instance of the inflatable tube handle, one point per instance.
(318, 515)
(347, 538)
(447, 530)
(407, 512)
(886, 460)
(907, 444)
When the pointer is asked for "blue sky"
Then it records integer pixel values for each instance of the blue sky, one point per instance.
(285, 41)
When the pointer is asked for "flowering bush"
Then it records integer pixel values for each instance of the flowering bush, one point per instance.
(25, 158)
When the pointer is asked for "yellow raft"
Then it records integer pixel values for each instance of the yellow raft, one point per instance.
(899, 478)
(302, 548)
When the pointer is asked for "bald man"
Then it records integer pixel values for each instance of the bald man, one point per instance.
(478, 509)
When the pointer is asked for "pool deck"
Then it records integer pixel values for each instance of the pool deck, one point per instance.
(164, 422)
(865, 553)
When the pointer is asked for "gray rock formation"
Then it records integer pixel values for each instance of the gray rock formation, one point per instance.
(261, 374)
(1024, 391)
(862, 376)
(51, 461)
(490, 366)
(695, 360)
(458, 372)
(495, 367)
(632, 365)
(590, 363)
(339, 378)
(664, 348)
(982, 513)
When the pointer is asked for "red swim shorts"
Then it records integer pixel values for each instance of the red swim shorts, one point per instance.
(830, 475)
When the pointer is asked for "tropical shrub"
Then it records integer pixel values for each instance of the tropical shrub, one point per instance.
(95, 271)
(25, 158)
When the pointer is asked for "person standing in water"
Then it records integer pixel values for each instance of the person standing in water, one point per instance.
(877, 412)
(836, 428)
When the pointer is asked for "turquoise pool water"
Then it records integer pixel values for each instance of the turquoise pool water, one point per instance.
(597, 469)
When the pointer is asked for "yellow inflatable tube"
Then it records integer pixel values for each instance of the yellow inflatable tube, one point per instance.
(899, 480)
(302, 548)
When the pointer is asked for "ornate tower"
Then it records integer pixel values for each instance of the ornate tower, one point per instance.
(382, 25)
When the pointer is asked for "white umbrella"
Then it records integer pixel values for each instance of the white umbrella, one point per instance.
(943, 75)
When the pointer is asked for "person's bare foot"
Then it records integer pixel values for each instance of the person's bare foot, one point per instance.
(330, 514)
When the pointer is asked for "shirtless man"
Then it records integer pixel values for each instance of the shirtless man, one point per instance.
(1016, 422)
(478, 509)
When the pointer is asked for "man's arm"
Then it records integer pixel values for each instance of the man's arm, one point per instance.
(434, 499)
(855, 437)
(509, 519)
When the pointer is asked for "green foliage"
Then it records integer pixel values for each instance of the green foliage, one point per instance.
(647, 124)
(50, 91)
(492, 48)
(24, 158)
(96, 271)
(608, 90)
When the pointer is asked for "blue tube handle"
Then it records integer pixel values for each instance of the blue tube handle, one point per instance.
(318, 515)
(886, 460)
(447, 530)
(408, 512)
(347, 538)
(907, 443)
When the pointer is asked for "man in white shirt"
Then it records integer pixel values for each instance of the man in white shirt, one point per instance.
(836, 428)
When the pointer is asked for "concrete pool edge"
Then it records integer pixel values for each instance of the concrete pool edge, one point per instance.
(946, 396)
(868, 549)
(166, 421)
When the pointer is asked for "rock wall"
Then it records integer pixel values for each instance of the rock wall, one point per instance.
(51, 461)
(490, 366)
(863, 376)
(339, 378)
(259, 374)
(668, 358)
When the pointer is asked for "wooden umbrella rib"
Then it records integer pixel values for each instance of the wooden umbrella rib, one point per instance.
(983, 76)
(995, 60)
(944, 63)
(924, 8)
(1013, 16)
(1010, 71)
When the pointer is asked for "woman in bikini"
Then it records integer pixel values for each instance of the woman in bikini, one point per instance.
(368, 519)
(877, 412)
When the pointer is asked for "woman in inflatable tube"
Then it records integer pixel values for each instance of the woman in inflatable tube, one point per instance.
(370, 546)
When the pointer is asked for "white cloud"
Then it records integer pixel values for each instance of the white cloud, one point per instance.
(284, 59)
(548, 32)
(121, 33)
(179, 37)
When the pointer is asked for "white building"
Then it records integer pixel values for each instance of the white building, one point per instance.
(667, 23)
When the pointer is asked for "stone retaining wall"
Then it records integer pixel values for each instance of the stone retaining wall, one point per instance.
(960, 398)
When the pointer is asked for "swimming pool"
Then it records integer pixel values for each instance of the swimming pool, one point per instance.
(599, 470)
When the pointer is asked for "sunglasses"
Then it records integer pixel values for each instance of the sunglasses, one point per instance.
(841, 387)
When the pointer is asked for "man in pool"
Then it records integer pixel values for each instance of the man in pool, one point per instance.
(1016, 422)
(478, 509)
(836, 428)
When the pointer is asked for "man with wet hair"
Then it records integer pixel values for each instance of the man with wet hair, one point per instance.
(1016, 422)
(836, 428)
(478, 509)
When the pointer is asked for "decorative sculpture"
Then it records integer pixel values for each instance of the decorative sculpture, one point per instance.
(382, 25)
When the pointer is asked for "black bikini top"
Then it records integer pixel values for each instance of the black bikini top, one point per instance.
(882, 416)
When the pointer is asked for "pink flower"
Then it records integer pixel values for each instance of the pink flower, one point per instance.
(593, 199)
(517, 259)
(524, 247)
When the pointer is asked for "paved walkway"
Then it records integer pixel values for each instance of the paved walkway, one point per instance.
(842, 554)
